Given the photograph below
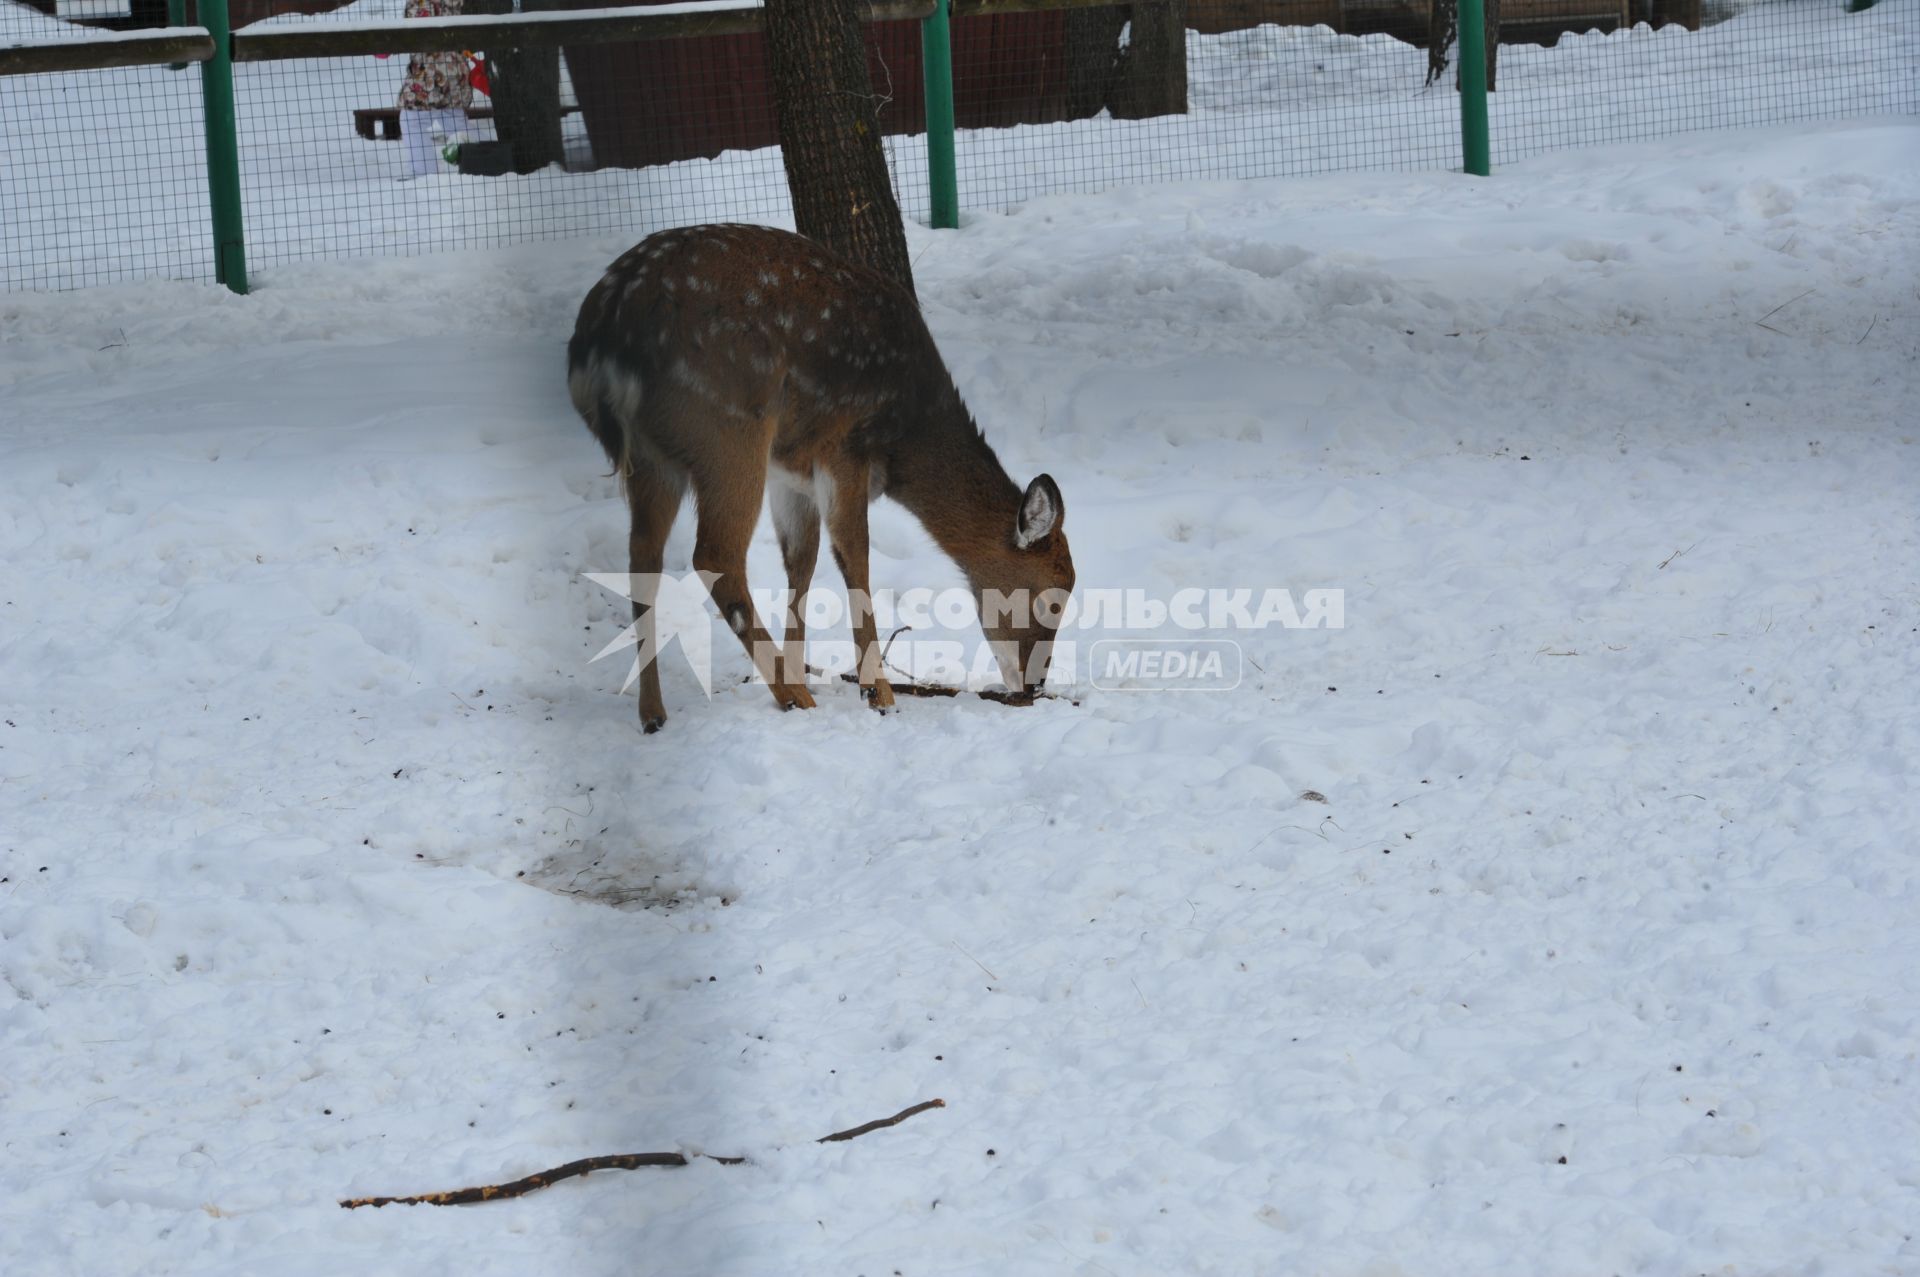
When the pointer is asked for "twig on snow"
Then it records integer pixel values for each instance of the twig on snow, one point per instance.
(1762, 321)
(609, 1162)
(1677, 554)
(905, 687)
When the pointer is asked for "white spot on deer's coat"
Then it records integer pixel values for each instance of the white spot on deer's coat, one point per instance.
(769, 278)
(804, 382)
(751, 297)
(808, 335)
(684, 373)
(785, 320)
(826, 312)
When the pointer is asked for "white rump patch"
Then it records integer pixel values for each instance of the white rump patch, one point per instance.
(623, 389)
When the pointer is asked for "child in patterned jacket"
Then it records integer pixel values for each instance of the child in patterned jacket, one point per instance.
(434, 98)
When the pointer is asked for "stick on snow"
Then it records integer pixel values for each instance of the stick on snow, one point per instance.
(609, 1162)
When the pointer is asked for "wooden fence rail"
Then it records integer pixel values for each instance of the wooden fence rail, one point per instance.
(175, 44)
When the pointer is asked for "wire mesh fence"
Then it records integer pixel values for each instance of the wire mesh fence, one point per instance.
(332, 166)
(101, 172)
(103, 177)
(1771, 62)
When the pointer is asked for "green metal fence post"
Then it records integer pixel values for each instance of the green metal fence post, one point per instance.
(1474, 143)
(936, 61)
(223, 149)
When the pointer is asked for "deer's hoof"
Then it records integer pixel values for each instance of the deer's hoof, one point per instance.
(651, 724)
(880, 695)
(793, 696)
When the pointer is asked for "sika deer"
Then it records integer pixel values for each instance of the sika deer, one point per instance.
(718, 357)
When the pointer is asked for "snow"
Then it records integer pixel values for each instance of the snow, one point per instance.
(330, 865)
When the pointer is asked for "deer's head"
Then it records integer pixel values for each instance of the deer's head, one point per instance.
(1024, 589)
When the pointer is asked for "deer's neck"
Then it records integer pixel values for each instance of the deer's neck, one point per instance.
(958, 490)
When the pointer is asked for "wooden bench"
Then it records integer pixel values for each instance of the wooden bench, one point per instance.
(382, 123)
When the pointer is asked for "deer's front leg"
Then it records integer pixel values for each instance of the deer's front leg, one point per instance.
(847, 530)
(797, 520)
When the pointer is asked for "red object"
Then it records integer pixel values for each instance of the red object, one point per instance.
(477, 74)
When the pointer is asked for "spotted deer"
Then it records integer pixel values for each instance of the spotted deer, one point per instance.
(740, 359)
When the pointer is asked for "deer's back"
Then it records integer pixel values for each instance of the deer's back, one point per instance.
(698, 333)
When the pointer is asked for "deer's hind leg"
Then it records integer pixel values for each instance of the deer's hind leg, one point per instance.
(653, 495)
(727, 489)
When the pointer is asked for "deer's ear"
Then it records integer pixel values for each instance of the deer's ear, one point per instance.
(1040, 511)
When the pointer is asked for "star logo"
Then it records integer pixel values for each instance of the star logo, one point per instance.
(679, 612)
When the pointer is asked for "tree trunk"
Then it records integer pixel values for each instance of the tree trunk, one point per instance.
(526, 105)
(828, 118)
(1153, 67)
(1443, 23)
(1443, 20)
(1145, 77)
(525, 88)
(1093, 59)
(1493, 41)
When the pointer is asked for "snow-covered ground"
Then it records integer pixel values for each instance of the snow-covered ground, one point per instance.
(1558, 914)
(330, 866)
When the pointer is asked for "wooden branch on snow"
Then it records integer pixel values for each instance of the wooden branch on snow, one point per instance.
(905, 687)
(609, 1162)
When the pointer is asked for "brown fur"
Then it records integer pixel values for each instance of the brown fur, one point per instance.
(710, 356)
